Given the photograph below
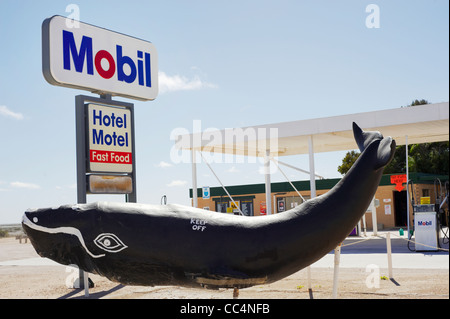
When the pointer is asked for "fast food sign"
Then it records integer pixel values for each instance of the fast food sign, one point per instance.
(109, 133)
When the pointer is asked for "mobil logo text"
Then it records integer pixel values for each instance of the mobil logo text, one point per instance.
(116, 66)
(425, 223)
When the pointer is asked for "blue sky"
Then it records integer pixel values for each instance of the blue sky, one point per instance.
(226, 63)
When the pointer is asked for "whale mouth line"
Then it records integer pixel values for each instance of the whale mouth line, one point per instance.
(65, 230)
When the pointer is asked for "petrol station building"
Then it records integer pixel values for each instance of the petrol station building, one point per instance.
(392, 204)
(391, 207)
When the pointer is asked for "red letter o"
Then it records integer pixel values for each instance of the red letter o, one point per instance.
(106, 74)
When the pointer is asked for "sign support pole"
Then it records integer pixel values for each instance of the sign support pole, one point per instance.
(81, 140)
(83, 278)
(81, 149)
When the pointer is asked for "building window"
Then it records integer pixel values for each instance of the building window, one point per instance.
(289, 202)
(221, 206)
(245, 203)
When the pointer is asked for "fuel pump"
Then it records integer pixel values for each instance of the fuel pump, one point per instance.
(426, 230)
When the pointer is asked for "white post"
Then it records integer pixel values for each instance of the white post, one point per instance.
(268, 187)
(312, 176)
(364, 224)
(312, 183)
(407, 189)
(337, 256)
(194, 180)
(275, 208)
(374, 217)
(308, 272)
(389, 254)
(86, 283)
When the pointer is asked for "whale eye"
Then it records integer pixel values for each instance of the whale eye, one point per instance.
(109, 242)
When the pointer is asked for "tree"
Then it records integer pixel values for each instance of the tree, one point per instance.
(432, 158)
(418, 102)
(348, 161)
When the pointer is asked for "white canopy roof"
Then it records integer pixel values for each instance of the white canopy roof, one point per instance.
(421, 123)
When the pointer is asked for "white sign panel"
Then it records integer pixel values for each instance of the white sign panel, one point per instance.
(98, 60)
(206, 192)
(110, 145)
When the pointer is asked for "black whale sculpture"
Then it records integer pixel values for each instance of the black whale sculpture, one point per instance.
(177, 245)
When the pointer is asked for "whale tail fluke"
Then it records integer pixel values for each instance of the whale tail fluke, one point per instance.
(386, 148)
(363, 139)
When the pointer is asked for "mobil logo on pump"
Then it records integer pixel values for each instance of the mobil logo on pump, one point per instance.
(99, 60)
(425, 223)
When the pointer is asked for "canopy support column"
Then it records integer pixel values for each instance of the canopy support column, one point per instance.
(268, 187)
(312, 183)
(407, 188)
(194, 180)
(312, 175)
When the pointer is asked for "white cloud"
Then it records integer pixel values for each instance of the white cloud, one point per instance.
(69, 186)
(168, 83)
(163, 164)
(4, 111)
(3, 189)
(177, 183)
(24, 185)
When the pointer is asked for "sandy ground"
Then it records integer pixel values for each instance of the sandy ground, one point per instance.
(49, 282)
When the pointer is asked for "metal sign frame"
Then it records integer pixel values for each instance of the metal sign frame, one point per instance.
(81, 102)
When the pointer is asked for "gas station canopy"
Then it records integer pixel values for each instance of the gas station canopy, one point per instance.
(420, 124)
(408, 125)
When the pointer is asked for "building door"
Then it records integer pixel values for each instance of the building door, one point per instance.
(400, 208)
(247, 207)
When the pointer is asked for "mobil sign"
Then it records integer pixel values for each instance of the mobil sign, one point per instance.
(98, 60)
